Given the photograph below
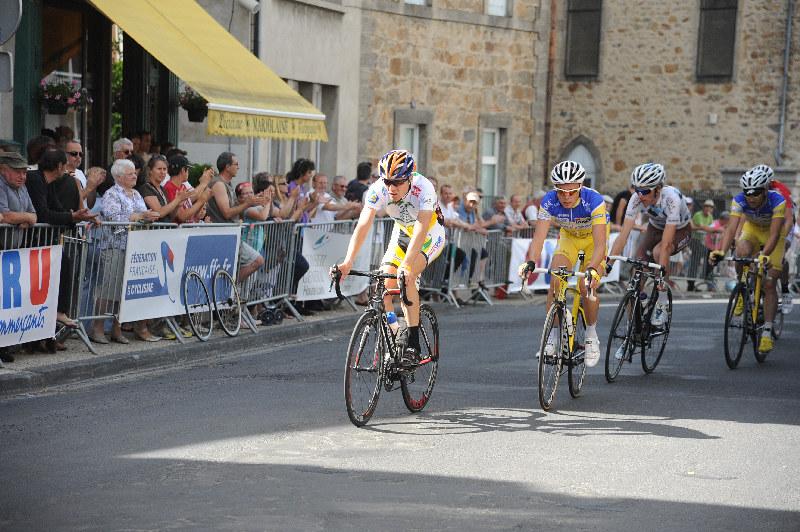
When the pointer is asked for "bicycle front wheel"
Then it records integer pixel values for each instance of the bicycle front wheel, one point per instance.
(620, 344)
(227, 305)
(417, 387)
(656, 342)
(736, 326)
(197, 304)
(363, 373)
(577, 364)
(550, 360)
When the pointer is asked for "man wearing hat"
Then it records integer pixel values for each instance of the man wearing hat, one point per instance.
(16, 207)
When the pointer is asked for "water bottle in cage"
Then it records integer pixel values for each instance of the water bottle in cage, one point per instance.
(568, 325)
(391, 318)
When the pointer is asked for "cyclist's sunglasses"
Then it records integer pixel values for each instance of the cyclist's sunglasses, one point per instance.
(568, 192)
(753, 192)
(395, 182)
(643, 191)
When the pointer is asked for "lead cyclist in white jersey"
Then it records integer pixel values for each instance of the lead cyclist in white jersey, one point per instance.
(417, 239)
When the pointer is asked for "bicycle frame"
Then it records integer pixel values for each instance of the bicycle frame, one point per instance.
(560, 299)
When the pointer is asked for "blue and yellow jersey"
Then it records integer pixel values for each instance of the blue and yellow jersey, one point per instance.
(773, 207)
(579, 220)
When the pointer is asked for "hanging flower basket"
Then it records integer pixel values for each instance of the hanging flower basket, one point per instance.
(197, 114)
(196, 106)
(56, 108)
(58, 97)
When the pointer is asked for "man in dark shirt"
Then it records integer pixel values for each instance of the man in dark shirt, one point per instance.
(50, 210)
(358, 186)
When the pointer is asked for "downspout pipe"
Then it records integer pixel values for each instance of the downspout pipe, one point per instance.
(785, 88)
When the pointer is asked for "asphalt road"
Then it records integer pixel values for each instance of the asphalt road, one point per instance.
(261, 441)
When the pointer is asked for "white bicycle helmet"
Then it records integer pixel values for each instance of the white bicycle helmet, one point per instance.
(648, 175)
(567, 172)
(757, 177)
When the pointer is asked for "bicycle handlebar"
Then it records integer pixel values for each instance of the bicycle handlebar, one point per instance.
(568, 273)
(336, 277)
(651, 265)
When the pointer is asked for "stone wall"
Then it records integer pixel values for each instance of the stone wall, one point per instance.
(458, 65)
(647, 105)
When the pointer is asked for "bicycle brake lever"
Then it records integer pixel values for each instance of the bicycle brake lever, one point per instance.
(402, 282)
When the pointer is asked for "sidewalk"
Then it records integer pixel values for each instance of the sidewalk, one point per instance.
(35, 373)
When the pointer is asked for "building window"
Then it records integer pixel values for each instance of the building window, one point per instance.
(581, 154)
(490, 158)
(417, 2)
(497, 8)
(411, 130)
(716, 39)
(582, 57)
(408, 138)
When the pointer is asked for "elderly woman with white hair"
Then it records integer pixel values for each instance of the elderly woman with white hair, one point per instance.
(121, 203)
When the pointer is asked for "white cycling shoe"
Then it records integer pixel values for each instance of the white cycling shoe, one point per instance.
(592, 351)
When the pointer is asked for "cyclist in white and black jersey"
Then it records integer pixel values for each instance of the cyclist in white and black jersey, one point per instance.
(417, 239)
(668, 225)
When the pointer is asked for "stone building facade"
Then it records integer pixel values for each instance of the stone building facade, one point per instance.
(646, 102)
(453, 72)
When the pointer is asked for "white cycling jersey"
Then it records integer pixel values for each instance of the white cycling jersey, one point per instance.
(405, 211)
(671, 208)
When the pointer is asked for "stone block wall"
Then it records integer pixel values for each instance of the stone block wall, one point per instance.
(458, 65)
(647, 104)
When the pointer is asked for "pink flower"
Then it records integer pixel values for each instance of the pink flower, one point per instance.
(76, 95)
(71, 101)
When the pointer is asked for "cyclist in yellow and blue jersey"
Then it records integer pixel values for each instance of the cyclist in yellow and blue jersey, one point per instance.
(580, 213)
(417, 239)
(760, 214)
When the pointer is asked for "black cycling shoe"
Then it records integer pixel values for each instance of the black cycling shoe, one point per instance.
(410, 358)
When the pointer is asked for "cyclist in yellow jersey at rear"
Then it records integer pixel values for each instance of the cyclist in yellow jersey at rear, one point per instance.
(417, 239)
(580, 213)
(759, 213)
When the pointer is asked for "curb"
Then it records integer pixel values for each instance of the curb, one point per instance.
(42, 379)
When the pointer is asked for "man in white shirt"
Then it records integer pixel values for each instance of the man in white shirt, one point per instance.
(513, 212)
(532, 208)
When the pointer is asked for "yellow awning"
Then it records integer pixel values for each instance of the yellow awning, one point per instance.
(246, 98)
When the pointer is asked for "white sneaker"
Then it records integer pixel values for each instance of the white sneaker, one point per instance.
(786, 303)
(659, 317)
(592, 351)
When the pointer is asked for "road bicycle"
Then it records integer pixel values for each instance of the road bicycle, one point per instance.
(373, 353)
(750, 321)
(633, 326)
(201, 307)
(570, 347)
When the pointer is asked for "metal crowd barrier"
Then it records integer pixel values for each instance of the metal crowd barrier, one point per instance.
(100, 254)
(272, 282)
(691, 264)
(497, 264)
(316, 266)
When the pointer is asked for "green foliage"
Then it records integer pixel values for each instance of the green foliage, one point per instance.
(196, 171)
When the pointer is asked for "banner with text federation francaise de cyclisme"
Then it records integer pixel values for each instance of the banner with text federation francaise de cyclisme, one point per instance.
(322, 249)
(156, 262)
(29, 283)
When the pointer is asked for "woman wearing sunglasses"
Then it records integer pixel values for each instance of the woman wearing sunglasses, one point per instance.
(759, 213)
(580, 212)
(668, 228)
(417, 238)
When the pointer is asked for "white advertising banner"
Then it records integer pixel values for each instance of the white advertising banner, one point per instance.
(29, 283)
(322, 249)
(519, 249)
(156, 262)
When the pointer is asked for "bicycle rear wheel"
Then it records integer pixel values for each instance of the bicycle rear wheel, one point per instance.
(736, 327)
(227, 305)
(364, 369)
(777, 322)
(577, 364)
(550, 363)
(656, 341)
(620, 344)
(417, 387)
(197, 304)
